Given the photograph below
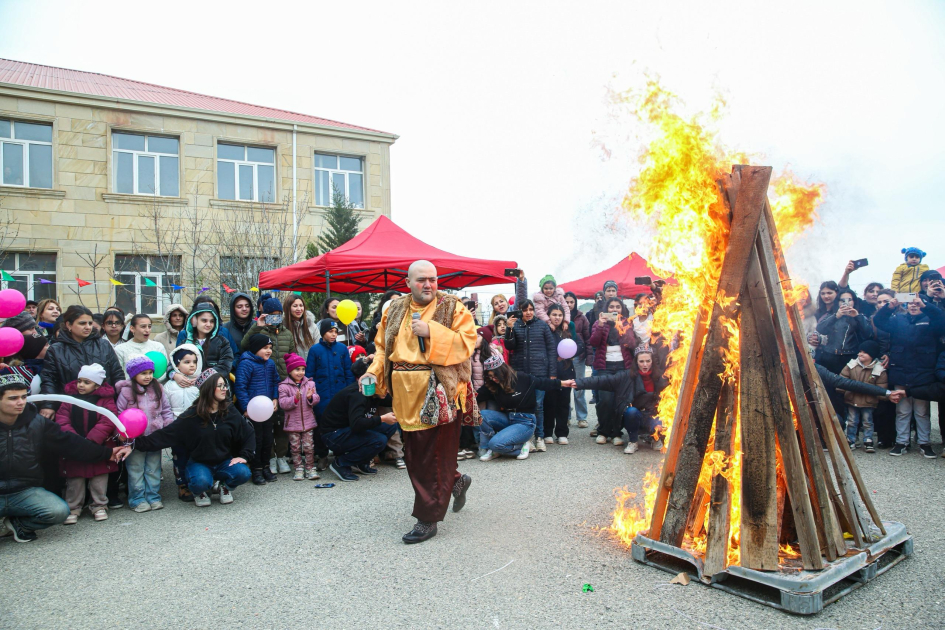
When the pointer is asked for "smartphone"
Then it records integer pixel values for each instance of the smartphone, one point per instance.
(513, 273)
(515, 314)
(611, 316)
(846, 301)
(273, 320)
(905, 298)
(644, 280)
(862, 262)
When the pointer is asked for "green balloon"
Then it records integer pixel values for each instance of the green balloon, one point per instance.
(160, 362)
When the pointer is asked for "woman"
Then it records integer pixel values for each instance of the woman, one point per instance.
(301, 323)
(113, 325)
(241, 320)
(558, 403)
(535, 352)
(613, 340)
(140, 343)
(582, 331)
(174, 317)
(842, 332)
(508, 430)
(47, 312)
(218, 441)
(500, 306)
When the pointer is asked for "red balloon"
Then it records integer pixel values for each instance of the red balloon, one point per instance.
(512, 301)
(135, 423)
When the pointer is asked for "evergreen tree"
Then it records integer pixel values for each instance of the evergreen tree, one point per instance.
(342, 223)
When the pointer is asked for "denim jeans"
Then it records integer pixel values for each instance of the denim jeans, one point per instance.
(580, 402)
(144, 477)
(923, 421)
(353, 449)
(200, 477)
(855, 415)
(634, 420)
(505, 433)
(34, 508)
(540, 414)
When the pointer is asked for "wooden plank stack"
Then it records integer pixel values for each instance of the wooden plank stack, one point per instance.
(799, 482)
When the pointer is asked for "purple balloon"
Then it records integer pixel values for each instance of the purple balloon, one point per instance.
(567, 348)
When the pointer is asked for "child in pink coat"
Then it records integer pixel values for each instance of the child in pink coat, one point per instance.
(548, 295)
(297, 397)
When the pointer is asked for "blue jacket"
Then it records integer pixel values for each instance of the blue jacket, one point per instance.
(912, 340)
(255, 377)
(330, 367)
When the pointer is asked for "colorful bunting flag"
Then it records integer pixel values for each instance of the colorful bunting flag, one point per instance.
(177, 287)
(82, 283)
(116, 283)
(256, 289)
(45, 281)
(227, 289)
(204, 289)
(148, 282)
(7, 277)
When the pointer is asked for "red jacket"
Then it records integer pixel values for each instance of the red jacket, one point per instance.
(100, 432)
(598, 341)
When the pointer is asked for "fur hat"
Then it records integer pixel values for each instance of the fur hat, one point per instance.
(22, 322)
(293, 361)
(909, 251)
(94, 372)
(257, 342)
(272, 305)
(327, 325)
(871, 348)
(137, 365)
(494, 362)
(204, 376)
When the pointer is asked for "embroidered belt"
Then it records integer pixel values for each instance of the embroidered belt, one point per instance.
(403, 366)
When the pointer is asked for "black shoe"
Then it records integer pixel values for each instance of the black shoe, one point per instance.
(459, 492)
(20, 533)
(342, 472)
(868, 446)
(115, 505)
(898, 450)
(364, 469)
(322, 464)
(184, 494)
(268, 476)
(258, 479)
(927, 451)
(420, 532)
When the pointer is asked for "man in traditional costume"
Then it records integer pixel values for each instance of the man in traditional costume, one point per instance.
(424, 342)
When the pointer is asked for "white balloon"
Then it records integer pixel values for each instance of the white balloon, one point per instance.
(259, 409)
(81, 403)
(34, 385)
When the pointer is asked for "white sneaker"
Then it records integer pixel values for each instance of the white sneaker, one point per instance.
(524, 454)
(157, 505)
(273, 466)
(142, 507)
(601, 439)
(549, 440)
(582, 424)
(311, 474)
(563, 441)
(225, 495)
(283, 465)
(202, 500)
(658, 445)
(299, 475)
(215, 489)
(631, 448)
(540, 445)
(618, 441)
(72, 519)
(488, 456)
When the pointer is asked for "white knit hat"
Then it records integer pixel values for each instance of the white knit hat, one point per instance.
(94, 372)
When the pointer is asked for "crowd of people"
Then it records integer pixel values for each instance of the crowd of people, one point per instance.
(882, 361)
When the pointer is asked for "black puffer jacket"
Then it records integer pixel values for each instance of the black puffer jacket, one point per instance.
(912, 340)
(229, 435)
(66, 357)
(844, 334)
(534, 348)
(23, 444)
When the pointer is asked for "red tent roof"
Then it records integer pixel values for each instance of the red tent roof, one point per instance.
(377, 260)
(622, 273)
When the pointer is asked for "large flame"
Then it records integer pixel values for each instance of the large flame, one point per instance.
(677, 195)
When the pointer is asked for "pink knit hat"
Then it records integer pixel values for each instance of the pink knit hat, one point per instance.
(293, 361)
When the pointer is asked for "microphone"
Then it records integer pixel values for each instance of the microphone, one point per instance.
(423, 344)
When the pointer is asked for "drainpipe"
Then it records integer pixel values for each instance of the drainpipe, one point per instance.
(295, 194)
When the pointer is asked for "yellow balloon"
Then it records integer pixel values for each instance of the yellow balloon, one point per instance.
(347, 311)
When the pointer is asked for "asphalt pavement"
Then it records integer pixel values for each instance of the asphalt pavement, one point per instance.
(287, 555)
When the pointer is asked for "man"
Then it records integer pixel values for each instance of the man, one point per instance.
(31, 306)
(430, 427)
(24, 437)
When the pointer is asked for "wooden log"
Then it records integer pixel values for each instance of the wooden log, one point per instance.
(758, 291)
(845, 479)
(700, 503)
(749, 207)
(720, 501)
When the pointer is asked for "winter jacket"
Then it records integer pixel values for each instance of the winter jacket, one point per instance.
(476, 366)
(66, 357)
(622, 383)
(255, 377)
(299, 416)
(99, 430)
(533, 347)
(235, 330)
(329, 365)
(627, 341)
(522, 397)
(844, 334)
(912, 342)
(24, 443)
(168, 338)
(346, 334)
(282, 343)
(543, 303)
(582, 329)
(225, 436)
(183, 397)
(565, 367)
(215, 350)
(874, 374)
(848, 384)
(157, 409)
(905, 279)
(350, 409)
(132, 348)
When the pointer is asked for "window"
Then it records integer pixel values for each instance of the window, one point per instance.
(148, 281)
(26, 154)
(146, 165)
(241, 273)
(246, 173)
(28, 272)
(341, 173)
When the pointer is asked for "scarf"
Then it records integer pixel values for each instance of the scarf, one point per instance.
(77, 415)
(648, 385)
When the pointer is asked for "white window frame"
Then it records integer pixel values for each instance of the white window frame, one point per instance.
(32, 277)
(340, 171)
(134, 163)
(26, 153)
(247, 162)
(136, 279)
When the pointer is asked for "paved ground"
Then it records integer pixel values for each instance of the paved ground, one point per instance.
(287, 555)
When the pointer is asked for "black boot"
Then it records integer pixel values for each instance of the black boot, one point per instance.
(258, 479)
(268, 476)
(420, 532)
(459, 492)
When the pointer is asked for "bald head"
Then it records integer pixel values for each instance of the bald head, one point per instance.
(421, 280)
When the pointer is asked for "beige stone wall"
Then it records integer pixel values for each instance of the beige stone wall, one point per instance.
(83, 212)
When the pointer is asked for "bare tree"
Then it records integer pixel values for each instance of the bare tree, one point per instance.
(201, 245)
(95, 261)
(9, 229)
(160, 240)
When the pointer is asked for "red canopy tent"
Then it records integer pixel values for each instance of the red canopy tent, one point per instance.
(376, 260)
(622, 273)
(941, 270)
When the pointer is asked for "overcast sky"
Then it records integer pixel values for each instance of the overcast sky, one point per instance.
(498, 104)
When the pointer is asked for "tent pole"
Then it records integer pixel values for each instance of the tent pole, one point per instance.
(327, 284)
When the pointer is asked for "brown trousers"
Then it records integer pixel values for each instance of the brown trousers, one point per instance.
(75, 492)
(430, 455)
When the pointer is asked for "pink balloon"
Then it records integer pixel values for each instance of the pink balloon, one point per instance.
(11, 340)
(12, 303)
(567, 348)
(135, 423)
(259, 409)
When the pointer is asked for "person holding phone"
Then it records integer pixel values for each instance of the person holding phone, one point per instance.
(534, 351)
(614, 341)
(841, 334)
(867, 304)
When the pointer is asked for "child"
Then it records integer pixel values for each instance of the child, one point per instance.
(297, 397)
(142, 391)
(866, 368)
(500, 324)
(558, 402)
(186, 361)
(549, 294)
(905, 278)
(203, 331)
(328, 365)
(257, 376)
(91, 387)
(140, 343)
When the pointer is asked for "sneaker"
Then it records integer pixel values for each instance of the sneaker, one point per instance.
(898, 450)
(157, 505)
(524, 453)
(184, 494)
(72, 519)
(540, 445)
(115, 505)
(273, 466)
(20, 533)
(322, 464)
(927, 451)
(593, 433)
(489, 455)
(299, 475)
(142, 507)
(582, 424)
(400, 463)
(460, 455)
(563, 441)
(868, 446)
(365, 469)
(226, 497)
(470, 454)
(618, 441)
(459, 492)
(601, 440)
(258, 479)
(549, 440)
(100, 514)
(311, 474)
(631, 448)
(215, 488)
(658, 445)
(482, 452)
(342, 472)
(268, 475)
(852, 445)
(282, 464)
(202, 499)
